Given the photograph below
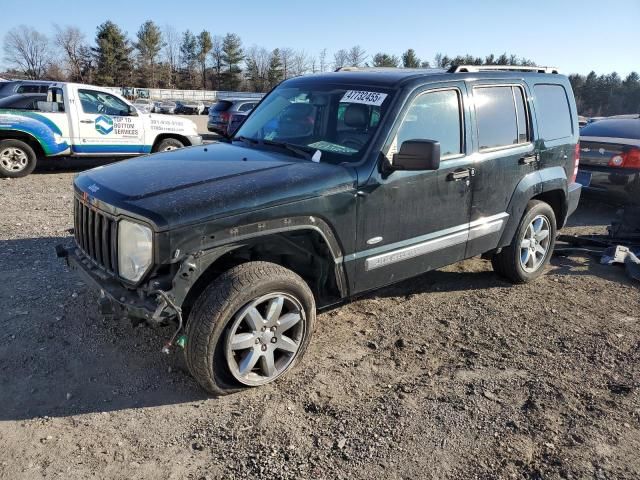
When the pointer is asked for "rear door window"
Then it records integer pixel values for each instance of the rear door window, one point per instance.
(501, 116)
(552, 110)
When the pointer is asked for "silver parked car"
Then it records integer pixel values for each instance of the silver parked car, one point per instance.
(168, 106)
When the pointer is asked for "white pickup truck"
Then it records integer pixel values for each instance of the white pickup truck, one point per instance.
(83, 120)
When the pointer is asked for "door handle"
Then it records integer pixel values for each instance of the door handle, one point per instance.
(86, 121)
(461, 174)
(529, 159)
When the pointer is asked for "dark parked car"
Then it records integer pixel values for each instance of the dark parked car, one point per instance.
(221, 112)
(14, 87)
(188, 107)
(23, 102)
(610, 159)
(337, 184)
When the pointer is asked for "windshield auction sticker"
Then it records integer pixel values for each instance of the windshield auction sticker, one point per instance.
(366, 98)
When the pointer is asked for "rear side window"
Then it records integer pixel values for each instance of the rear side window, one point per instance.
(434, 116)
(502, 116)
(30, 89)
(245, 107)
(222, 106)
(552, 110)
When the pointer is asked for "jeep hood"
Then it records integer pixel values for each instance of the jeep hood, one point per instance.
(194, 184)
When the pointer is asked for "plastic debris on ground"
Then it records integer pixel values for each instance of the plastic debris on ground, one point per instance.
(620, 246)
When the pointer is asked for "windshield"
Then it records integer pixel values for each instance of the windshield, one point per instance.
(336, 120)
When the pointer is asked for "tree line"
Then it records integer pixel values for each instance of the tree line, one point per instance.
(162, 57)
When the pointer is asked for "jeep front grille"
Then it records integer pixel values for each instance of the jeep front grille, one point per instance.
(96, 235)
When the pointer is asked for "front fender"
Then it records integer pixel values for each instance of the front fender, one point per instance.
(211, 246)
(38, 127)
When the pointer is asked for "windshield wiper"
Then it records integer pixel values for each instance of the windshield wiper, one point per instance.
(242, 138)
(303, 152)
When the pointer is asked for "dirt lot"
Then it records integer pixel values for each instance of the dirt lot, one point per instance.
(455, 374)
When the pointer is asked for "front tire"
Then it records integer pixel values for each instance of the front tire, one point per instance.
(529, 253)
(169, 144)
(17, 159)
(249, 327)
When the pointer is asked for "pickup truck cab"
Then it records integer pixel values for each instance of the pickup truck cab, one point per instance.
(83, 120)
(336, 184)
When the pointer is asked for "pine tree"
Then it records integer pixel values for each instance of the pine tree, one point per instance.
(385, 60)
(149, 44)
(188, 55)
(205, 44)
(274, 74)
(410, 60)
(232, 55)
(113, 56)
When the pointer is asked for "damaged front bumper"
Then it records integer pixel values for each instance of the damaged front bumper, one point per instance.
(154, 307)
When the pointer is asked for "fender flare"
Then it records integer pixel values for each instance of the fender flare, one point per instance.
(193, 266)
(530, 186)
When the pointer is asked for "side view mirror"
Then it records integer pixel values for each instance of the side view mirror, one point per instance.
(417, 155)
(49, 107)
(133, 111)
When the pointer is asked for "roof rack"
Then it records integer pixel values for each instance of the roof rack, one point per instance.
(509, 68)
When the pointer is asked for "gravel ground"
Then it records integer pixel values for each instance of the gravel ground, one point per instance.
(454, 374)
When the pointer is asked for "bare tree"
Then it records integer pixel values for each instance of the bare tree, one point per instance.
(340, 59)
(299, 63)
(217, 55)
(27, 50)
(286, 58)
(171, 39)
(73, 43)
(357, 56)
(322, 58)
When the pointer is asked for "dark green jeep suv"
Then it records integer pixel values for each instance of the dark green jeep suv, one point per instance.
(335, 184)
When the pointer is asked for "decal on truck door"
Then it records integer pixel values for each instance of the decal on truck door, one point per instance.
(104, 125)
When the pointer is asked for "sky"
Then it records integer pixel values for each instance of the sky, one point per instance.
(575, 36)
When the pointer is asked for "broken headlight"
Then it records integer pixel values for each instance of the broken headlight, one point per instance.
(135, 250)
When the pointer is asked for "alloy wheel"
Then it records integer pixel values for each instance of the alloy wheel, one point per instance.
(534, 247)
(264, 338)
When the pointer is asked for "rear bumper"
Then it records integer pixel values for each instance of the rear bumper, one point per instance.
(573, 198)
(217, 127)
(114, 298)
(617, 185)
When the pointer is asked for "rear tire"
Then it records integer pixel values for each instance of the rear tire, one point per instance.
(229, 346)
(169, 144)
(531, 249)
(17, 159)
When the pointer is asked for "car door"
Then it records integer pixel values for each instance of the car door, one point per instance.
(504, 155)
(106, 125)
(410, 222)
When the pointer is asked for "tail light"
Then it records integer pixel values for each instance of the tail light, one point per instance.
(627, 159)
(225, 116)
(576, 162)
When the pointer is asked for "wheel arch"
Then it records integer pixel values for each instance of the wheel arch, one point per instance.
(26, 137)
(305, 250)
(548, 185)
(163, 136)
